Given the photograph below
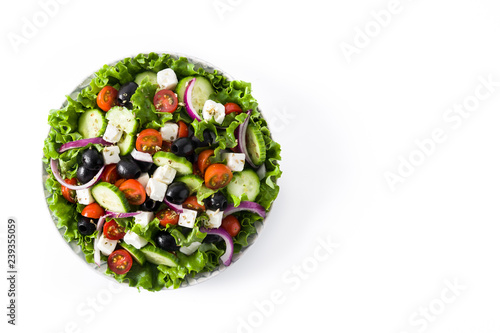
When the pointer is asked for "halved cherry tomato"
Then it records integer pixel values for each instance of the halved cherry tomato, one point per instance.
(192, 203)
(183, 129)
(120, 261)
(204, 159)
(134, 191)
(217, 176)
(106, 98)
(68, 194)
(113, 230)
(93, 211)
(110, 175)
(149, 141)
(165, 101)
(119, 182)
(232, 107)
(231, 225)
(167, 216)
(166, 146)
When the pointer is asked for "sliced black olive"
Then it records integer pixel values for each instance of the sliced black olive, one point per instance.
(165, 241)
(177, 192)
(182, 147)
(216, 201)
(149, 205)
(85, 175)
(86, 226)
(128, 168)
(92, 159)
(125, 93)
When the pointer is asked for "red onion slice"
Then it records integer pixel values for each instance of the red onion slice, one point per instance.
(83, 143)
(97, 252)
(188, 95)
(228, 255)
(248, 206)
(141, 156)
(54, 166)
(242, 141)
(176, 208)
(121, 215)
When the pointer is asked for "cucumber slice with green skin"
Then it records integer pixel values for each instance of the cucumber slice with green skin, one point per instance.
(92, 124)
(201, 92)
(181, 88)
(179, 163)
(135, 253)
(244, 182)
(110, 197)
(159, 257)
(193, 182)
(126, 144)
(123, 118)
(149, 76)
(255, 145)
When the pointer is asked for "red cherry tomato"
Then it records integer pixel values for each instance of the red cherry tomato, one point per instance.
(165, 101)
(167, 216)
(106, 98)
(149, 141)
(192, 203)
(217, 176)
(68, 194)
(134, 191)
(120, 261)
(110, 175)
(113, 230)
(93, 211)
(232, 107)
(204, 160)
(183, 129)
(231, 225)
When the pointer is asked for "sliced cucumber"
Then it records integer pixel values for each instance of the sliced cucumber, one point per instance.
(181, 88)
(201, 92)
(179, 163)
(148, 76)
(126, 144)
(255, 145)
(123, 118)
(159, 257)
(110, 197)
(194, 182)
(92, 124)
(244, 182)
(135, 253)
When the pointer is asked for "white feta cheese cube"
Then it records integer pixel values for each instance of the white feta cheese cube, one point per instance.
(84, 196)
(143, 218)
(156, 189)
(164, 174)
(134, 239)
(187, 218)
(169, 131)
(113, 133)
(212, 109)
(111, 154)
(143, 179)
(215, 219)
(106, 246)
(167, 79)
(234, 161)
(189, 250)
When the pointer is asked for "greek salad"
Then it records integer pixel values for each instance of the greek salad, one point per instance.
(160, 169)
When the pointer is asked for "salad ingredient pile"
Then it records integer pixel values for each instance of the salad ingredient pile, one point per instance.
(160, 170)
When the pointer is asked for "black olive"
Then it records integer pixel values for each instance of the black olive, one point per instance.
(216, 201)
(125, 93)
(165, 241)
(182, 147)
(86, 226)
(208, 139)
(211, 239)
(128, 169)
(177, 192)
(85, 175)
(92, 159)
(144, 166)
(149, 205)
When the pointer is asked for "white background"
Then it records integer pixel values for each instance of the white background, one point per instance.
(342, 126)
